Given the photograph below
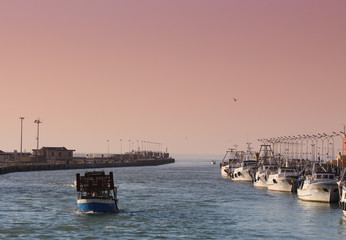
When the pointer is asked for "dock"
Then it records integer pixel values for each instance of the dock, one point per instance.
(42, 163)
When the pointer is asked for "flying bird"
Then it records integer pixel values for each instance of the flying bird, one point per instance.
(235, 99)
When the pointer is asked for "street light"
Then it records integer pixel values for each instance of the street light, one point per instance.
(108, 148)
(343, 136)
(21, 137)
(38, 135)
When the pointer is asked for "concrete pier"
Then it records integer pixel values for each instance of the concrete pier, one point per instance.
(94, 164)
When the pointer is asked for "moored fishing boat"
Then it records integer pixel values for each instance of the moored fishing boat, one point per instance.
(285, 180)
(267, 165)
(342, 192)
(246, 168)
(96, 192)
(263, 173)
(233, 159)
(244, 173)
(342, 202)
(319, 187)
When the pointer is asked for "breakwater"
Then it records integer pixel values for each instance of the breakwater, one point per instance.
(62, 166)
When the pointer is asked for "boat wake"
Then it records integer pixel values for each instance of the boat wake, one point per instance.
(69, 185)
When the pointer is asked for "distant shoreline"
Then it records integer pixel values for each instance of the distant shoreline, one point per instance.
(47, 167)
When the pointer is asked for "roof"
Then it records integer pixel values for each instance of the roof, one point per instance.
(7, 153)
(55, 149)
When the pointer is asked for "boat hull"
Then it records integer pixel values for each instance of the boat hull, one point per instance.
(283, 184)
(261, 179)
(318, 192)
(96, 205)
(259, 183)
(242, 175)
(224, 171)
(343, 199)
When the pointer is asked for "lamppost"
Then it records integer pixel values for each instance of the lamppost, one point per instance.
(290, 147)
(301, 142)
(308, 138)
(38, 135)
(21, 137)
(323, 137)
(279, 147)
(343, 136)
(121, 146)
(276, 148)
(108, 148)
(317, 154)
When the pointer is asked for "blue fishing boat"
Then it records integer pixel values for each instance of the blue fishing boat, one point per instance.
(96, 192)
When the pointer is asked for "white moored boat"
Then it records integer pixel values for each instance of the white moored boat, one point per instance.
(263, 173)
(233, 159)
(267, 164)
(224, 169)
(246, 172)
(319, 187)
(342, 192)
(285, 180)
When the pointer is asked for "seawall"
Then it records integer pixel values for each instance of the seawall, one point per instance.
(45, 167)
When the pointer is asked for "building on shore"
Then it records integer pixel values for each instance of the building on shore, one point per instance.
(53, 155)
(11, 158)
(5, 156)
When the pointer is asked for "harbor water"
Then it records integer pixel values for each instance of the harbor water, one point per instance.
(185, 200)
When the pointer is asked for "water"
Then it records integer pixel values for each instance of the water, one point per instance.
(185, 200)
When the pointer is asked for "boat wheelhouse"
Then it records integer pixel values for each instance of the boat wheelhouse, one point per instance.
(96, 192)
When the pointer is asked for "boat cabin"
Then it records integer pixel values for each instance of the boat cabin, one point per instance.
(287, 170)
(270, 167)
(95, 185)
(323, 175)
(249, 163)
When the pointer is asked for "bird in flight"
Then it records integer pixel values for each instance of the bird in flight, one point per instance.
(235, 99)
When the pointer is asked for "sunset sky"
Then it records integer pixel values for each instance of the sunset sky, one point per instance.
(167, 71)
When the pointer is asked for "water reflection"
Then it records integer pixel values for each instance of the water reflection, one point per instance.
(316, 207)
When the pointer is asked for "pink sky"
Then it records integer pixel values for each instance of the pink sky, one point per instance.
(167, 71)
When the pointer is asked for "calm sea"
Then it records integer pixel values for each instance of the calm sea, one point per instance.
(185, 200)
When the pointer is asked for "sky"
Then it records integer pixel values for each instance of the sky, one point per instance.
(167, 72)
